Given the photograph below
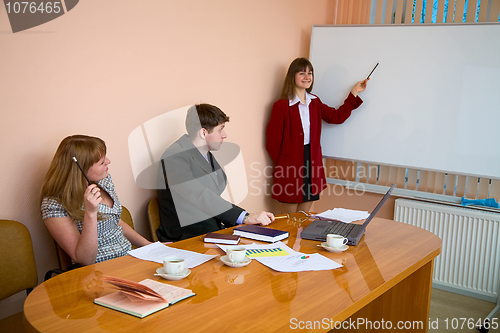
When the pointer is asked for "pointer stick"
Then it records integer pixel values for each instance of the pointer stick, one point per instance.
(372, 71)
(74, 159)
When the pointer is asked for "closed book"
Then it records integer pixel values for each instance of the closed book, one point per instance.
(213, 237)
(260, 233)
(140, 299)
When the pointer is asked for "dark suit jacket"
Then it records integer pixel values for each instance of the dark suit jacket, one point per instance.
(191, 204)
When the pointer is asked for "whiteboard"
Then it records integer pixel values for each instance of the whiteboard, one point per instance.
(432, 104)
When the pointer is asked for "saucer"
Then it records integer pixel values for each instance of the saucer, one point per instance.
(334, 249)
(174, 277)
(226, 261)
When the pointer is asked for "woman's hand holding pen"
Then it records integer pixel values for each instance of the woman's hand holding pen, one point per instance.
(359, 87)
(84, 244)
(92, 198)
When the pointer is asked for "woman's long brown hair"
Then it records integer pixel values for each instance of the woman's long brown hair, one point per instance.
(64, 181)
(298, 65)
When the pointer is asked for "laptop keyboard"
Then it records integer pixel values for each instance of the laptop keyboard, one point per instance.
(339, 228)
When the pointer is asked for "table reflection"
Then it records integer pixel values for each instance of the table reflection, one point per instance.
(283, 285)
(68, 295)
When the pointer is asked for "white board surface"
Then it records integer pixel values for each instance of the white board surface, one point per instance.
(433, 103)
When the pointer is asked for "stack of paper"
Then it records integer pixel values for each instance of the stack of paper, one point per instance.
(342, 214)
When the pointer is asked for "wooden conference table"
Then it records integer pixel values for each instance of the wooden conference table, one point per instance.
(387, 276)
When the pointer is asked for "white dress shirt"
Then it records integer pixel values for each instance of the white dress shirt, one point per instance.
(304, 115)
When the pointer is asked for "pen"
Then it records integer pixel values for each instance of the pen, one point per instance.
(74, 159)
(372, 71)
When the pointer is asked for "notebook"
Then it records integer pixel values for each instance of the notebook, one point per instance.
(143, 298)
(217, 238)
(260, 233)
(318, 229)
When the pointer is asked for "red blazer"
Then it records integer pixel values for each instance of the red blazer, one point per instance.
(285, 144)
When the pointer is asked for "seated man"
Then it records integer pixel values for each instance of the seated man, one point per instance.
(191, 203)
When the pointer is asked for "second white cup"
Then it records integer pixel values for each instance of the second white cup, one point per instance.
(236, 254)
(173, 265)
(337, 241)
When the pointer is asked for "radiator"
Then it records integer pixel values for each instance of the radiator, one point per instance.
(469, 263)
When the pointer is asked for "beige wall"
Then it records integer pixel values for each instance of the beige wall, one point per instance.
(106, 67)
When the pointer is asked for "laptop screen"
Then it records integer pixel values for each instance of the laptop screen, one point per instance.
(380, 204)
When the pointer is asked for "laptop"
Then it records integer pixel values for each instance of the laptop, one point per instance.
(318, 229)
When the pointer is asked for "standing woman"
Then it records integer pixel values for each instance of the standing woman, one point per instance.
(84, 219)
(293, 137)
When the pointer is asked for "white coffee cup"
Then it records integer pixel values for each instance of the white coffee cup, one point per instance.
(173, 265)
(337, 241)
(236, 254)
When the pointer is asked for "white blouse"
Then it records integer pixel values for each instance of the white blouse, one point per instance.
(304, 115)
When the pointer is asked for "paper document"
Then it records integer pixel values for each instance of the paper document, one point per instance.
(342, 214)
(282, 258)
(157, 252)
(277, 249)
(299, 262)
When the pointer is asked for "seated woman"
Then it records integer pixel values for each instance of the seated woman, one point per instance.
(84, 218)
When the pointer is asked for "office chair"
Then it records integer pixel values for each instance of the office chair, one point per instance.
(153, 216)
(127, 217)
(64, 260)
(17, 268)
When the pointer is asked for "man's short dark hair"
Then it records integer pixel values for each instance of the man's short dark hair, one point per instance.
(204, 116)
